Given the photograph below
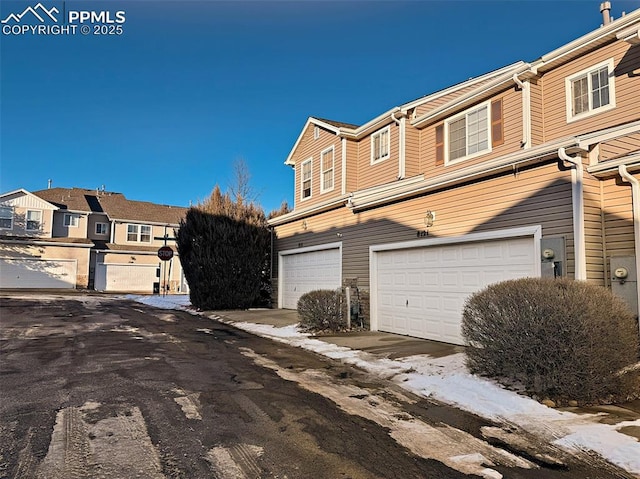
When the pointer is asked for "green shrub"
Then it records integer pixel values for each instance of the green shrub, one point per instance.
(561, 339)
(322, 310)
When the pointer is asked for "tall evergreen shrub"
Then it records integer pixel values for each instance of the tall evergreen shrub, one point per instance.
(225, 258)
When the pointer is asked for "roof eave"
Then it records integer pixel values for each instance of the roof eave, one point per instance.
(305, 213)
(474, 96)
(577, 47)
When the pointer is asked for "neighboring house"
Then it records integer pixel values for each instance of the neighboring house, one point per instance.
(530, 170)
(77, 238)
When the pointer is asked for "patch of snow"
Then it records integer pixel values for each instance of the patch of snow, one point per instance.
(448, 380)
(170, 301)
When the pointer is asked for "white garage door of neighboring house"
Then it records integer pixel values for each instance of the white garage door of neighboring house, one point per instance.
(307, 270)
(38, 273)
(421, 291)
(136, 278)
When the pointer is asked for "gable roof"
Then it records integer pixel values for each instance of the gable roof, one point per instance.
(115, 205)
(13, 198)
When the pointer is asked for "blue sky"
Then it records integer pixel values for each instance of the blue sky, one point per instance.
(162, 111)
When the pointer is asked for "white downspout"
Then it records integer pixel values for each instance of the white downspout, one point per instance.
(526, 110)
(401, 153)
(577, 199)
(344, 166)
(635, 202)
(113, 232)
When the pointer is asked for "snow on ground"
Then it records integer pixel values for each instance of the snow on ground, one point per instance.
(447, 379)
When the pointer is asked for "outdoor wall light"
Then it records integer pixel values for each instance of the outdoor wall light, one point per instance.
(339, 235)
(304, 225)
(429, 218)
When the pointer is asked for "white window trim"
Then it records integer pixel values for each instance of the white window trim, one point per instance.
(106, 228)
(26, 221)
(569, 91)
(13, 214)
(323, 169)
(139, 233)
(302, 197)
(71, 224)
(377, 133)
(450, 120)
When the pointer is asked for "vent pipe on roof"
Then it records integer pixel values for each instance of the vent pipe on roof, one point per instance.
(605, 9)
(49, 181)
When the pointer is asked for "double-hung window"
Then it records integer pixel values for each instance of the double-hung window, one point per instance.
(380, 145)
(139, 233)
(71, 220)
(590, 91)
(102, 228)
(326, 165)
(34, 220)
(306, 179)
(468, 133)
(6, 217)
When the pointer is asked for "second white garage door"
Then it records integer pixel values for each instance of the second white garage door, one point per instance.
(138, 278)
(421, 291)
(305, 271)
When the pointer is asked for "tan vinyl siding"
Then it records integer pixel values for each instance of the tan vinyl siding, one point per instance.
(412, 151)
(540, 195)
(593, 230)
(384, 171)
(619, 147)
(537, 112)
(513, 134)
(618, 217)
(627, 85)
(352, 165)
(312, 148)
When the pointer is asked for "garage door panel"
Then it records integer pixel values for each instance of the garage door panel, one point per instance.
(38, 273)
(138, 278)
(309, 271)
(438, 279)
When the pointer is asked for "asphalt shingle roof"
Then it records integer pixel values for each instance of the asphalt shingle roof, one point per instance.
(337, 124)
(114, 205)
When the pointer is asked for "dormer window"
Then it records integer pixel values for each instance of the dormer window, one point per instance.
(71, 220)
(468, 133)
(590, 91)
(380, 145)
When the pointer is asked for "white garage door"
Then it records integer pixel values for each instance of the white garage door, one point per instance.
(308, 271)
(135, 278)
(421, 291)
(38, 273)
